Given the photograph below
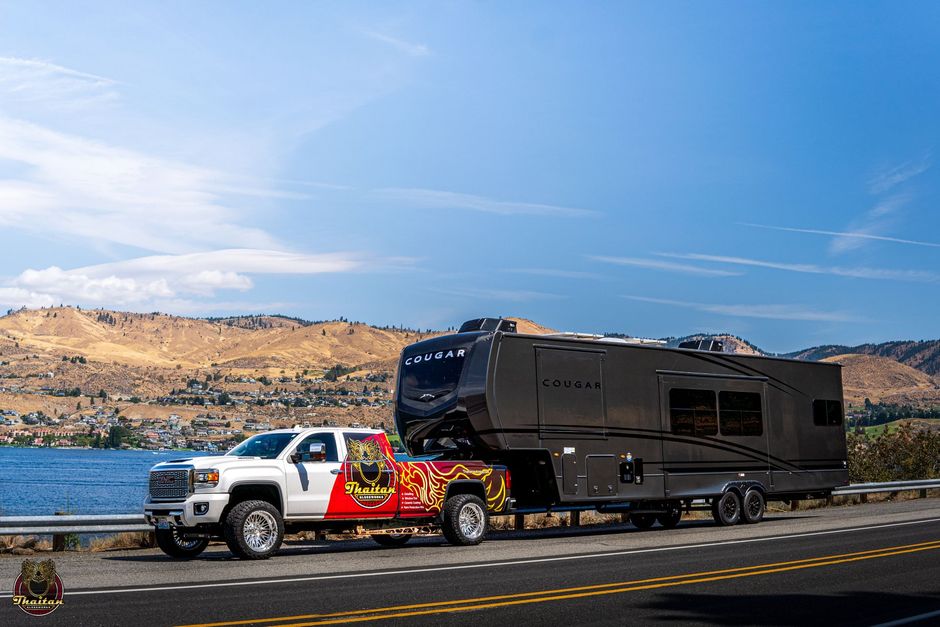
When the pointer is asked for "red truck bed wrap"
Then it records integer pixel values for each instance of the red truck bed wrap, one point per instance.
(423, 485)
(372, 484)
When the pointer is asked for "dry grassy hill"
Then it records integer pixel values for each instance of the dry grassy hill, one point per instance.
(160, 340)
(884, 380)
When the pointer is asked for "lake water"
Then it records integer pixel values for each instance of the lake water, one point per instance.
(38, 481)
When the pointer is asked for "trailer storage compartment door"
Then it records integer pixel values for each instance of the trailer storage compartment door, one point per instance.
(571, 393)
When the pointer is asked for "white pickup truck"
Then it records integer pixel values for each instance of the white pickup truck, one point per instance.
(323, 479)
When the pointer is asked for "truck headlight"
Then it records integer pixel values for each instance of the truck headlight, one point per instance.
(206, 478)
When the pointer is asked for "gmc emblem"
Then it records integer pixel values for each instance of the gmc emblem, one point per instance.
(167, 479)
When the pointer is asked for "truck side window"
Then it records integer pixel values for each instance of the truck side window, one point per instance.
(693, 412)
(739, 413)
(328, 439)
(827, 412)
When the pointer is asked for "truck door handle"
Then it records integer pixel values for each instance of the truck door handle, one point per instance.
(335, 471)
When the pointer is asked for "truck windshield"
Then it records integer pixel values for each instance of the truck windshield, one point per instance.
(265, 445)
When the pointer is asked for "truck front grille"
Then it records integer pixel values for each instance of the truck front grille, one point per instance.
(169, 484)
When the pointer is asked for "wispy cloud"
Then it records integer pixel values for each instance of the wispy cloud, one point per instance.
(771, 311)
(847, 234)
(510, 296)
(97, 192)
(808, 268)
(77, 189)
(890, 177)
(37, 82)
(409, 48)
(437, 199)
(551, 272)
(667, 266)
(159, 279)
(873, 223)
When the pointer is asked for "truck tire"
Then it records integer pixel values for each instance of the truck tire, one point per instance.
(642, 521)
(172, 544)
(727, 509)
(253, 530)
(752, 510)
(464, 520)
(671, 518)
(391, 539)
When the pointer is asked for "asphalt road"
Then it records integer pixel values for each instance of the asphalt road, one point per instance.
(861, 565)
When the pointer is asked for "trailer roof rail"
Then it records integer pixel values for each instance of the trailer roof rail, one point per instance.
(603, 338)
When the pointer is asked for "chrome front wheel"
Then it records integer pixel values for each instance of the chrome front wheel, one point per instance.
(260, 531)
(253, 530)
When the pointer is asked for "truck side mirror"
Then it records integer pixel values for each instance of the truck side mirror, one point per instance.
(315, 453)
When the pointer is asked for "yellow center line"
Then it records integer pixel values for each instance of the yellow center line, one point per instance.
(460, 605)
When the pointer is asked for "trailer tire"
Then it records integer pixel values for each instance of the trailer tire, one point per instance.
(173, 545)
(391, 539)
(464, 520)
(253, 530)
(642, 521)
(727, 509)
(752, 510)
(671, 518)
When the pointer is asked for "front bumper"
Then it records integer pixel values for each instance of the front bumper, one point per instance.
(183, 513)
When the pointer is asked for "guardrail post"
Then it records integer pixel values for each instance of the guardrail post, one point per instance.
(519, 522)
(923, 493)
(575, 518)
(863, 498)
(794, 505)
(58, 540)
(624, 517)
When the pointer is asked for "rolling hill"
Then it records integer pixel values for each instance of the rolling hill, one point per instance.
(161, 340)
(923, 355)
(884, 380)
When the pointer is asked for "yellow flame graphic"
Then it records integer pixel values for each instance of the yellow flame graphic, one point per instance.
(429, 481)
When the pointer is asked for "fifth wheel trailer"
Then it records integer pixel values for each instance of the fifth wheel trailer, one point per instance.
(590, 422)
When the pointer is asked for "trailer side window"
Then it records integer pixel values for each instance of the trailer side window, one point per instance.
(693, 412)
(827, 412)
(739, 413)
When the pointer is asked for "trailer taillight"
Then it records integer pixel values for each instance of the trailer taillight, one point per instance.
(508, 481)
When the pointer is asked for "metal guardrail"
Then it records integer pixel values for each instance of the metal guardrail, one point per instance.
(117, 523)
(51, 525)
(888, 486)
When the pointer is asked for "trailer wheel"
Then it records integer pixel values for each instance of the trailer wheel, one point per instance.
(253, 530)
(753, 509)
(671, 518)
(391, 539)
(465, 520)
(727, 509)
(642, 521)
(171, 543)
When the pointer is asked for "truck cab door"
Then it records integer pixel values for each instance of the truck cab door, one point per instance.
(369, 475)
(310, 482)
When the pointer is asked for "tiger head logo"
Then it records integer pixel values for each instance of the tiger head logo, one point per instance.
(38, 589)
(38, 577)
(370, 476)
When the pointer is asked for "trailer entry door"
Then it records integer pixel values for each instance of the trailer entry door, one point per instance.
(571, 393)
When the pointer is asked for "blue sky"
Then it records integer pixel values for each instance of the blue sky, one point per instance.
(656, 169)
